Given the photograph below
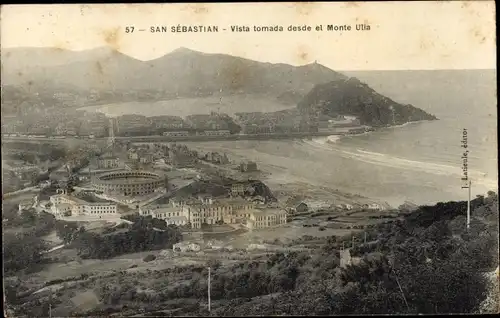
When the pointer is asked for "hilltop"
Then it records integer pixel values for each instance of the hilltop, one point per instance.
(352, 97)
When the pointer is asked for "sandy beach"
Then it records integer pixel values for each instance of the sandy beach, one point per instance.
(284, 183)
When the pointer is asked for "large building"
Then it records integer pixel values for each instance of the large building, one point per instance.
(222, 132)
(129, 183)
(210, 211)
(238, 189)
(86, 205)
(171, 214)
(263, 218)
(108, 162)
(179, 133)
(214, 211)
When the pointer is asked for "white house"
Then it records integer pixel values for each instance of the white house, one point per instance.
(186, 247)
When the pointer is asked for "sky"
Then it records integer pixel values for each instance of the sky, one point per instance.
(402, 35)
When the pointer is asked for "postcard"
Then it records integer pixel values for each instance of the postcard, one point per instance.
(249, 159)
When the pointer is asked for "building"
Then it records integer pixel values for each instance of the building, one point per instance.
(297, 206)
(44, 184)
(28, 204)
(107, 162)
(180, 133)
(171, 214)
(87, 205)
(372, 206)
(248, 166)
(129, 183)
(26, 172)
(210, 211)
(264, 218)
(216, 157)
(146, 157)
(62, 209)
(221, 132)
(238, 189)
(301, 207)
(343, 206)
(186, 247)
(167, 122)
(132, 154)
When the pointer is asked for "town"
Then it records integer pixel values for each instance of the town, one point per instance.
(111, 214)
(170, 182)
(31, 121)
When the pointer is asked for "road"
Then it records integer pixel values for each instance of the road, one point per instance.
(29, 189)
(181, 138)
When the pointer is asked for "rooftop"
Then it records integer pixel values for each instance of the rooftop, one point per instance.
(161, 208)
(63, 205)
(88, 197)
(92, 199)
(266, 211)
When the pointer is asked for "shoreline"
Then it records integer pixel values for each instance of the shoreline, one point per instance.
(340, 136)
(285, 184)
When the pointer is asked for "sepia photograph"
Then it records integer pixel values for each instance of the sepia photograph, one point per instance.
(249, 159)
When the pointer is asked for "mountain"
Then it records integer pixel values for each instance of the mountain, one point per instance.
(56, 69)
(439, 90)
(352, 97)
(187, 73)
(183, 72)
(18, 100)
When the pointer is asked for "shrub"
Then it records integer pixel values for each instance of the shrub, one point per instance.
(149, 258)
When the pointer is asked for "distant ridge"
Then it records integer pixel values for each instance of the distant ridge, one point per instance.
(188, 73)
(184, 71)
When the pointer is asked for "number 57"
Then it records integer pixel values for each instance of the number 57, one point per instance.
(129, 29)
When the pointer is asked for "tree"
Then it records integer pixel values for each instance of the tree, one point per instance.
(22, 252)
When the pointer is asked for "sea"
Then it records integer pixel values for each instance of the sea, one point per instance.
(419, 162)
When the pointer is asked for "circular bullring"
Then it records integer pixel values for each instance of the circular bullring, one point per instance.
(129, 183)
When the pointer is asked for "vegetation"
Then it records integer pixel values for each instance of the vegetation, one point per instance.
(22, 252)
(33, 153)
(141, 236)
(24, 248)
(437, 263)
(67, 231)
(32, 223)
(426, 263)
(149, 258)
(352, 97)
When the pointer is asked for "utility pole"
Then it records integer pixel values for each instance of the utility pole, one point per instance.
(365, 237)
(468, 206)
(50, 310)
(209, 289)
(399, 285)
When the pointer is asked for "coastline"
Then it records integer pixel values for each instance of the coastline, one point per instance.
(284, 184)
(334, 138)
